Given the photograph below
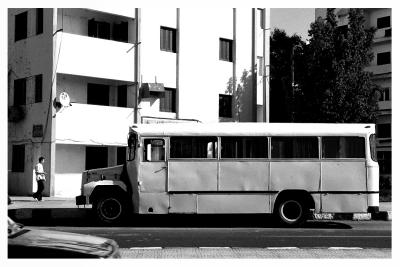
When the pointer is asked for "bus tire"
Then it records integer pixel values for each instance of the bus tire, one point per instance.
(291, 212)
(110, 209)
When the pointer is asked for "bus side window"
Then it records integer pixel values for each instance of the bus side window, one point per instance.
(343, 147)
(154, 150)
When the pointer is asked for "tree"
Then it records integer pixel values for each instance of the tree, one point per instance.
(286, 52)
(336, 87)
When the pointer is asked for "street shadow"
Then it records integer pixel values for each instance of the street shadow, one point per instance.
(86, 218)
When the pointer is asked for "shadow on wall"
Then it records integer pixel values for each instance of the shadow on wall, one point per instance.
(241, 96)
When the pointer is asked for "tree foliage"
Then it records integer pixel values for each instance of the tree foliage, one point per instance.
(336, 87)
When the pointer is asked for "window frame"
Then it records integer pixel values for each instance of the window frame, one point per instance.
(381, 57)
(229, 112)
(230, 52)
(267, 143)
(382, 22)
(323, 158)
(318, 156)
(20, 98)
(173, 48)
(173, 100)
(39, 89)
(18, 36)
(39, 21)
(144, 150)
(18, 166)
(216, 149)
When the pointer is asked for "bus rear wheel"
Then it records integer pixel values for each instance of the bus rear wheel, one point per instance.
(109, 209)
(291, 212)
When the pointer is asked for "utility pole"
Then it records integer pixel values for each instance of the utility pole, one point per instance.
(137, 63)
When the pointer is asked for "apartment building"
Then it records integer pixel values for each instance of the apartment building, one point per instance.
(78, 78)
(381, 67)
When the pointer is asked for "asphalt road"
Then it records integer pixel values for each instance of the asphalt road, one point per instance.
(242, 231)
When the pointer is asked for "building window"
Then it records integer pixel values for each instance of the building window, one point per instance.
(168, 39)
(39, 20)
(122, 96)
(383, 22)
(225, 49)
(385, 162)
(244, 147)
(193, 147)
(384, 94)
(383, 58)
(99, 29)
(38, 88)
(121, 155)
(37, 130)
(168, 101)
(225, 106)
(384, 130)
(98, 94)
(343, 147)
(154, 150)
(21, 26)
(20, 92)
(120, 32)
(96, 157)
(294, 147)
(388, 33)
(18, 158)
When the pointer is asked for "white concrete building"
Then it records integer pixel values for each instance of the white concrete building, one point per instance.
(381, 67)
(177, 61)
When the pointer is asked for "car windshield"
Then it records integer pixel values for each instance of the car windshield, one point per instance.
(13, 227)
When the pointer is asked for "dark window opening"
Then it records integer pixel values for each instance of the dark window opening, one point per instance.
(244, 147)
(383, 58)
(122, 96)
(384, 130)
(38, 88)
(18, 158)
(384, 94)
(121, 155)
(120, 32)
(385, 162)
(99, 29)
(39, 20)
(98, 94)
(96, 157)
(168, 100)
(37, 130)
(294, 147)
(20, 92)
(168, 39)
(21, 26)
(383, 22)
(388, 33)
(225, 106)
(154, 150)
(225, 49)
(343, 147)
(193, 147)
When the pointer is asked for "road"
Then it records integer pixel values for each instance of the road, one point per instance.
(234, 231)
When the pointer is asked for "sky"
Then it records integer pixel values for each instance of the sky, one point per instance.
(293, 20)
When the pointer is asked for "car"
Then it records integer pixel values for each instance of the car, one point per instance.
(25, 242)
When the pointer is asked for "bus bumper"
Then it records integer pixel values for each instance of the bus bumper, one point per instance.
(80, 200)
(373, 209)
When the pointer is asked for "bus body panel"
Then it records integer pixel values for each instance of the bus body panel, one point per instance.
(183, 203)
(373, 184)
(287, 175)
(243, 176)
(192, 176)
(343, 203)
(153, 203)
(233, 203)
(153, 177)
(344, 176)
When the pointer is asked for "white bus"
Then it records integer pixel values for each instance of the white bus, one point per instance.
(287, 169)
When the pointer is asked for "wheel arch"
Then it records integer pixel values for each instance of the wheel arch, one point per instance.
(294, 193)
(102, 190)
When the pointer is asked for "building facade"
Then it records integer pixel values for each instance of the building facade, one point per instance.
(78, 78)
(381, 67)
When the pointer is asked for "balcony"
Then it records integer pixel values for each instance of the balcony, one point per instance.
(93, 125)
(94, 57)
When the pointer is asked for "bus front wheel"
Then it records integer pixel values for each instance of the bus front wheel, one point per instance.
(291, 212)
(109, 209)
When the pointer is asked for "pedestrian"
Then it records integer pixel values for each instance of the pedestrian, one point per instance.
(40, 179)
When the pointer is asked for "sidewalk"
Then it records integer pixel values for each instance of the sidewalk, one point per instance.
(24, 207)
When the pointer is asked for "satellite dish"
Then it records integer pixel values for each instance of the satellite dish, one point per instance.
(64, 99)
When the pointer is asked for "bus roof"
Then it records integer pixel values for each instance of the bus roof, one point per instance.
(253, 129)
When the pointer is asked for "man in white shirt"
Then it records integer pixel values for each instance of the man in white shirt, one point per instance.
(40, 179)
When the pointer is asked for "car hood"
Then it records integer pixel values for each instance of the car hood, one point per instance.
(85, 244)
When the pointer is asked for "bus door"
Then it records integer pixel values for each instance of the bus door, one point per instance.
(153, 177)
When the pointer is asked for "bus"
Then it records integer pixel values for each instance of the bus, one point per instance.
(290, 170)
